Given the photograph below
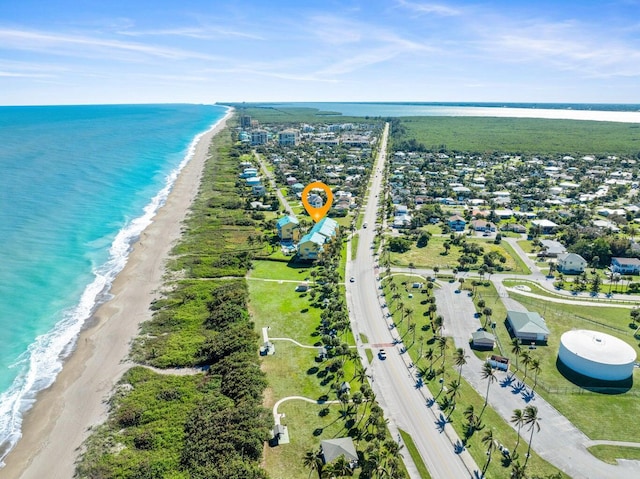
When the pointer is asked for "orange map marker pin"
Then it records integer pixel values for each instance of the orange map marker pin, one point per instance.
(317, 213)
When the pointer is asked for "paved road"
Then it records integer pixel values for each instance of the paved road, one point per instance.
(393, 381)
(559, 441)
(272, 182)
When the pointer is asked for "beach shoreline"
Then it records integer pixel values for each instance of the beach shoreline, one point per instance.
(63, 415)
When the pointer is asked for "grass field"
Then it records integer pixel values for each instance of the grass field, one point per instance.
(597, 415)
(501, 429)
(610, 454)
(523, 135)
(433, 255)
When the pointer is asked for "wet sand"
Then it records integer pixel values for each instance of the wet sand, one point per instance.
(63, 415)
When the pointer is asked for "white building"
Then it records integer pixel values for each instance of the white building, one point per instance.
(597, 355)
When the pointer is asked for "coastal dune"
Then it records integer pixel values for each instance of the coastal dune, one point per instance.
(63, 415)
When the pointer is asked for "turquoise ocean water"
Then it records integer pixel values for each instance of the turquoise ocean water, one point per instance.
(77, 186)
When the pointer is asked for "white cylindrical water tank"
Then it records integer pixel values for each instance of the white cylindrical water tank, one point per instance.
(597, 355)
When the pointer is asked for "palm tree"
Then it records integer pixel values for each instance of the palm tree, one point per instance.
(454, 394)
(341, 468)
(526, 360)
(535, 367)
(532, 420)
(516, 348)
(409, 315)
(472, 419)
(491, 443)
(438, 323)
(314, 461)
(488, 374)
(517, 471)
(459, 359)
(487, 314)
(430, 356)
(518, 419)
(442, 345)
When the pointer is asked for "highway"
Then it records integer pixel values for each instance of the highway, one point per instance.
(393, 380)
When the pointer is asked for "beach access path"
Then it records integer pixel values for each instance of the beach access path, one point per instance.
(63, 415)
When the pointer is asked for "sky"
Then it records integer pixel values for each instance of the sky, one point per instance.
(205, 51)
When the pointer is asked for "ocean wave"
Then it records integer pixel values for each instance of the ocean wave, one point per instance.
(44, 359)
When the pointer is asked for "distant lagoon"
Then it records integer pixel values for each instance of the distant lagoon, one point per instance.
(624, 113)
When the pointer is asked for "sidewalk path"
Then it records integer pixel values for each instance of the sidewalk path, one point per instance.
(558, 441)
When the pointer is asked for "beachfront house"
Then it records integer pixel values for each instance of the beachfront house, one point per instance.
(311, 246)
(571, 263)
(625, 265)
(528, 327)
(288, 228)
(327, 227)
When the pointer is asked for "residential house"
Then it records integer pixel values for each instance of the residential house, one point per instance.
(326, 227)
(552, 248)
(311, 246)
(456, 223)
(546, 226)
(249, 173)
(315, 200)
(288, 228)
(483, 226)
(515, 227)
(258, 190)
(625, 265)
(528, 327)
(571, 263)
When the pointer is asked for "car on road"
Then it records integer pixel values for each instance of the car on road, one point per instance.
(382, 354)
(352, 279)
(364, 225)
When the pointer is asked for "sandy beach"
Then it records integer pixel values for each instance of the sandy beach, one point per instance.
(63, 415)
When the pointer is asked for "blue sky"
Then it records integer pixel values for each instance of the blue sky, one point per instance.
(140, 51)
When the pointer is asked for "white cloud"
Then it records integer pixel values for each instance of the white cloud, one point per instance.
(429, 8)
(201, 33)
(86, 46)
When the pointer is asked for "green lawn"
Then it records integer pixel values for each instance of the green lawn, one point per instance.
(354, 245)
(415, 455)
(610, 454)
(281, 270)
(597, 415)
(424, 340)
(433, 255)
(285, 311)
(301, 418)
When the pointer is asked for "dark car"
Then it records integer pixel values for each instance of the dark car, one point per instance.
(382, 354)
